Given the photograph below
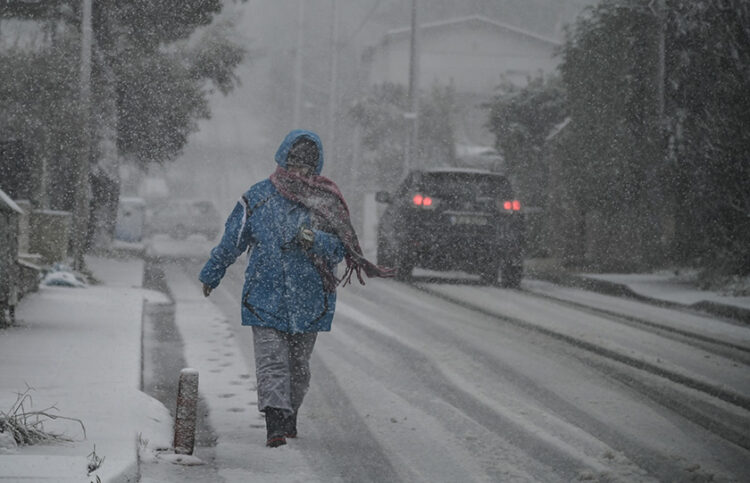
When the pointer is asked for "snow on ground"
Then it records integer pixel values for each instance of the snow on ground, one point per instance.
(541, 406)
(685, 321)
(595, 329)
(227, 383)
(666, 286)
(79, 349)
(456, 461)
(539, 396)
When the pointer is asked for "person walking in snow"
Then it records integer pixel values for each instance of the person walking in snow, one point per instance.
(296, 227)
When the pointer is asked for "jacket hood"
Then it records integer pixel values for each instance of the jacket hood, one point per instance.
(289, 141)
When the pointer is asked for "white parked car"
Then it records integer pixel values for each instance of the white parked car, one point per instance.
(180, 218)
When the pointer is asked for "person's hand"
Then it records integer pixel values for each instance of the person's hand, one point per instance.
(305, 237)
(206, 290)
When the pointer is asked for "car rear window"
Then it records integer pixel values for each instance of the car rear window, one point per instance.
(464, 185)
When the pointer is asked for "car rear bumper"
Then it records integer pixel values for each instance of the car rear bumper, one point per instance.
(469, 250)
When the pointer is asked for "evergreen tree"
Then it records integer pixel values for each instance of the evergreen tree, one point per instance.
(155, 58)
(521, 118)
(380, 114)
(679, 176)
(615, 142)
(161, 70)
(708, 99)
(40, 108)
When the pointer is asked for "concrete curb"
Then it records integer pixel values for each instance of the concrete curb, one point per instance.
(129, 473)
(606, 287)
(738, 313)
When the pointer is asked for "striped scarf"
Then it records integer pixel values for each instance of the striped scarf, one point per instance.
(324, 199)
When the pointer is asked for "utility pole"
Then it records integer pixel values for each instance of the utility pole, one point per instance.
(660, 12)
(44, 184)
(411, 149)
(333, 86)
(81, 207)
(297, 116)
(659, 205)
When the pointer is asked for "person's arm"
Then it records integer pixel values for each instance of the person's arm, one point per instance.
(233, 243)
(328, 246)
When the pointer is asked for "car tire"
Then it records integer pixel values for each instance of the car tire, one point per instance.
(384, 257)
(403, 272)
(488, 274)
(511, 275)
(404, 266)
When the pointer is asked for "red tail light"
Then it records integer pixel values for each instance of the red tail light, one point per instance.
(420, 200)
(512, 205)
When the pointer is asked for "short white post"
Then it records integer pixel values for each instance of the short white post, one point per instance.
(184, 420)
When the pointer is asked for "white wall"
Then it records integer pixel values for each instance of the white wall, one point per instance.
(472, 58)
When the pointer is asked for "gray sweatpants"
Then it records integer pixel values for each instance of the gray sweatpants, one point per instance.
(282, 367)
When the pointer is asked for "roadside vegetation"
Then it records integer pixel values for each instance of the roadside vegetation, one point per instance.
(632, 176)
(153, 66)
(26, 426)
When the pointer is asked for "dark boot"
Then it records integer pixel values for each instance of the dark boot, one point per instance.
(275, 427)
(290, 426)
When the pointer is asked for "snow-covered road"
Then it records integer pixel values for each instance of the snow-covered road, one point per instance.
(444, 382)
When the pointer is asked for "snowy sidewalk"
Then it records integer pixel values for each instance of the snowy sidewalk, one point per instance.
(80, 351)
(662, 288)
(227, 384)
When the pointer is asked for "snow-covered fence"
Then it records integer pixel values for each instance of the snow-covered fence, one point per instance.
(28, 262)
(9, 219)
(24, 228)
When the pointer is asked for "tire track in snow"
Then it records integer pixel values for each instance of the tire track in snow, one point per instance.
(565, 450)
(712, 343)
(393, 301)
(713, 389)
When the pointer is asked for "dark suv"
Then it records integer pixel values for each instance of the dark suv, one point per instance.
(453, 219)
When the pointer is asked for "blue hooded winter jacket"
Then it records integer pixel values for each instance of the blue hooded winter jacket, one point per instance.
(283, 289)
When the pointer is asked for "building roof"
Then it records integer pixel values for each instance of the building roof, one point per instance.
(451, 169)
(7, 204)
(472, 19)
